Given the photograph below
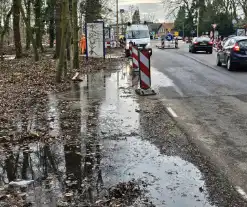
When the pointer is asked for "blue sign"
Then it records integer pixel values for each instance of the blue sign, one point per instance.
(169, 37)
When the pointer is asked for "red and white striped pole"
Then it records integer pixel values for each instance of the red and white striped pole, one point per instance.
(135, 63)
(107, 44)
(130, 48)
(145, 73)
(145, 76)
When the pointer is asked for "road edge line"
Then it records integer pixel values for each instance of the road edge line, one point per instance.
(172, 112)
(190, 135)
(241, 192)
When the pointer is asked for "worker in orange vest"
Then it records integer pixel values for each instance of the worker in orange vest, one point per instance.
(83, 44)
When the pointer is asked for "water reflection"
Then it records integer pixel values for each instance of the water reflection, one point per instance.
(53, 115)
(97, 142)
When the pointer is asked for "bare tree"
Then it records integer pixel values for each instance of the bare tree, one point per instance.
(64, 33)
(30, 32)
(4, 30)
(75, 34)
(16, 27)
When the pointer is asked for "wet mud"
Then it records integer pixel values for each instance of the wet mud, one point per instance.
(99, 144)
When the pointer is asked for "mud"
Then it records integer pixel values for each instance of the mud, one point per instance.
(98, 144)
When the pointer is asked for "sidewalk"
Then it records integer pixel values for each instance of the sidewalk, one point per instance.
(98, 144)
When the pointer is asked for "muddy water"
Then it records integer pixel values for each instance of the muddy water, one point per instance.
(95, 141)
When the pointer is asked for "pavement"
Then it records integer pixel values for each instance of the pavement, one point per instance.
(210, 106)
(107, 146)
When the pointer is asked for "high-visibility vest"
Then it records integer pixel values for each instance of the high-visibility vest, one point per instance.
(83, 44)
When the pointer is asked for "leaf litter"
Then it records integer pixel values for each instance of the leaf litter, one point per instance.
(24, 86)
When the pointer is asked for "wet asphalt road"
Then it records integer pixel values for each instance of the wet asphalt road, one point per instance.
(100, 134)
(210, 105)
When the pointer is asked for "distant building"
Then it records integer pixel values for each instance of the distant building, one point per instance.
(153, 29)
(165, 28)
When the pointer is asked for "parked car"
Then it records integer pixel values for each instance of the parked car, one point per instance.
(201, 44)
(233, 53)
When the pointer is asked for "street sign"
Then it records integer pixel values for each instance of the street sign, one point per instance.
(176, 34)
(169, 37)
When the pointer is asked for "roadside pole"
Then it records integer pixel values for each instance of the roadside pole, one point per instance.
(117, 29)
(198, 22)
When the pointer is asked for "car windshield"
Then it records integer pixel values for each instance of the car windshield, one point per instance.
(201, 39)
(138, 34)
(243, 43)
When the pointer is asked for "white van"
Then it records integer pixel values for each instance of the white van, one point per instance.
(139, 35)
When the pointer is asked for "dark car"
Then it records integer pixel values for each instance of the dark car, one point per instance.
(201, 44)
(233, 53)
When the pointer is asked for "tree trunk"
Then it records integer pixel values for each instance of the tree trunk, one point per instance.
(64, 23)
(38, 29)
(3, 32)
(28, 39)
(58, 28)
(30, 31)
(51, 6)
(16, 27)
(75, 35)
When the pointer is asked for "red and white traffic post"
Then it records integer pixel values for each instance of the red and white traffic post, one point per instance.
(130, 48)
(108, 44)
(145, 73)
(135, 62)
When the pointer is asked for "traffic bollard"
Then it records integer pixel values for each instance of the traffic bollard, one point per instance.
(144, 74)
(135, 63)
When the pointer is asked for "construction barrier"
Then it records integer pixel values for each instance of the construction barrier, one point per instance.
(168, 44)
(108, 44)
(144, 60)
(135, 63)
(130, 48)
(144, 73)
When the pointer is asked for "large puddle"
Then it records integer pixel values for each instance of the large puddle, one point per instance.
(94, 141)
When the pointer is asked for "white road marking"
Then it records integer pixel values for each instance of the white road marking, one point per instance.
(172, 112)
(241, 192)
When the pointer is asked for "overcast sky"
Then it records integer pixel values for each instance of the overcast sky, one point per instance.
(146, 6)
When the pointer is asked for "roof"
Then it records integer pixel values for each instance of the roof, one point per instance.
(154, 26)
(169, 25)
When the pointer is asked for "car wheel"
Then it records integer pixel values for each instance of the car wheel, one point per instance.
(218, 61)
(193, 50)
(229, 64)
(210, 52)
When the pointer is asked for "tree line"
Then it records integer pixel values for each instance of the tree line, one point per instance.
(61, 20)
(227, 14)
